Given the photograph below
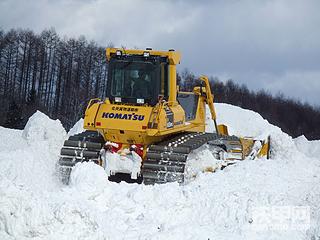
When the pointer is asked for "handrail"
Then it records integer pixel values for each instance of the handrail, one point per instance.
(93, 101)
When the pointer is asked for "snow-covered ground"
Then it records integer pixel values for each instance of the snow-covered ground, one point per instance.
(250, 200)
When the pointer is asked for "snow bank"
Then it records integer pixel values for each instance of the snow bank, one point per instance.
(41, 128)
(77, 128)
(309, 148)
(33, 204)
(11, 139)
(242, 122)
(246, 123)
(30, 155)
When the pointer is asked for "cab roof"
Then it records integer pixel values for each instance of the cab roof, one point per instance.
(173, 56)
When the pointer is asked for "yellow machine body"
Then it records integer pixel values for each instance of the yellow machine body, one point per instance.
(129, 123)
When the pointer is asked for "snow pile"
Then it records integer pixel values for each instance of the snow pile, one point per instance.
(33, 204)
(88, 177)
(201, 160)
(77, 128)
(28, 157)
(310, 148)
(242, 122)
(11, 139)
(41, 128)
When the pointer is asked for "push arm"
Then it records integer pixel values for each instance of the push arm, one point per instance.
(209, 99)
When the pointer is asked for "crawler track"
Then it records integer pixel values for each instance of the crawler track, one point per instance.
(81, 147)
(165, 161)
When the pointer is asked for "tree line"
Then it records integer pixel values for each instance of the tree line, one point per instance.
(59, 76)
(44, 71)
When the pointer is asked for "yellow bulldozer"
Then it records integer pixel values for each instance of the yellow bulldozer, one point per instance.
(145, 128)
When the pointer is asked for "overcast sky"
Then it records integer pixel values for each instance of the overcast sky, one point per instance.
(267, 44)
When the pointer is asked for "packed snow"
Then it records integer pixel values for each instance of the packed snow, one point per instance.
(219, 205)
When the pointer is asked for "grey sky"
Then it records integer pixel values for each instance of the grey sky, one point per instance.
(269, 44)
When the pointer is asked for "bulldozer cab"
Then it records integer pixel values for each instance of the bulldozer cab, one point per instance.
(137, 80)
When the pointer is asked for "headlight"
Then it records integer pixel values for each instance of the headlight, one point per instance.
(118, 53)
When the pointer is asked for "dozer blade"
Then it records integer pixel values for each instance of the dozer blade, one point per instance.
(261, 148)
(265, 150)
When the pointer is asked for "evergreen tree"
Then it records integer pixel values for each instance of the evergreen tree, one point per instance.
(14, 116)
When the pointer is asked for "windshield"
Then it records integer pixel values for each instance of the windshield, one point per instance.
(133, 79)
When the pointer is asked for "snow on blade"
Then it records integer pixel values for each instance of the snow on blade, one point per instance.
(34, 205)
